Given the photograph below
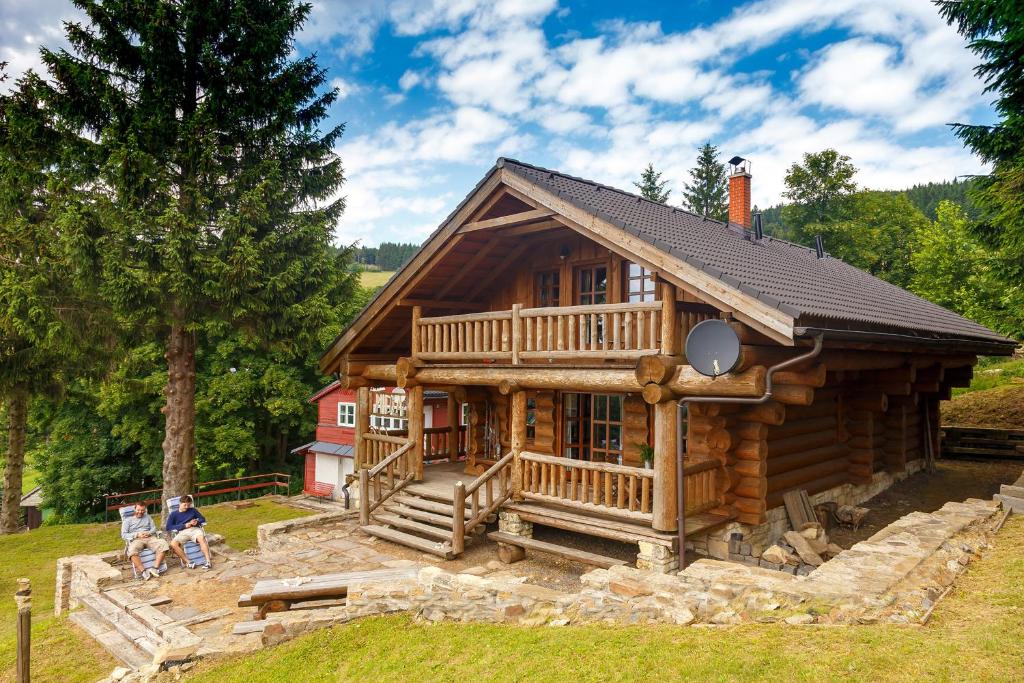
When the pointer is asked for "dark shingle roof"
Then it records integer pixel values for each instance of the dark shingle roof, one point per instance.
(815, 292)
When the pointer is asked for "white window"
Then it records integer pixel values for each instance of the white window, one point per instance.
(389, 423)
(464, 417)
(346, 414)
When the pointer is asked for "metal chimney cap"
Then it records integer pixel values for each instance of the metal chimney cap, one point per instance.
(736, 161)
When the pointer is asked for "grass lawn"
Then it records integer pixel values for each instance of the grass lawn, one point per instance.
(996, 374)
(34, 555)
(372, 279)
(974, 634)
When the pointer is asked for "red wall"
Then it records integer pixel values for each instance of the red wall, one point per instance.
(327, 428)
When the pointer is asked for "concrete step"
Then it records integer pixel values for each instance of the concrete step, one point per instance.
(554, 549)
(1011, 502)
(418, 528)
(143, 637)
(440, 549)
(112, 641)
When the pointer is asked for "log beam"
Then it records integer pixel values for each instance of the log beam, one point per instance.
(664, 503)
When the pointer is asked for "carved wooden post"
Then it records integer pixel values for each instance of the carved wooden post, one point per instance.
(459, 519)
(670, 337)
(23, 599)
(517, 333)
(414, 344)
(518, 440)
(362, 427)
(415, 415)
(453, 428)
(665, 440)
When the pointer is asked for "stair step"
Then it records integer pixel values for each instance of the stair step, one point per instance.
(440, 549)
(424, 504)
(420, 515)
(112, 641)
(555, 549)
(417, 527)
(126, 625)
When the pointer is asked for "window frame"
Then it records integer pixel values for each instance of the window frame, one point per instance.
(551, 290)
(349, 407)
(645, 277)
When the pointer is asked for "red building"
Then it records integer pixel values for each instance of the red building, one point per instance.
(329, 459)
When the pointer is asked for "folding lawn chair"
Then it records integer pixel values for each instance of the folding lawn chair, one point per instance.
(192, 550)
(147, 556)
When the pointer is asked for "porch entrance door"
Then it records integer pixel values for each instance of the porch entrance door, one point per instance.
(592, 425)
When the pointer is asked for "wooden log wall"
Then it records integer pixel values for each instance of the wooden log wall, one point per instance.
(544, 427)
(635, 429)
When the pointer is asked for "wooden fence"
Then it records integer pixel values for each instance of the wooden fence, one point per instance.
(237, 488)
(982, 443)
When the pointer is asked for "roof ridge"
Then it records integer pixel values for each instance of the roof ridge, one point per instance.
(503, 160)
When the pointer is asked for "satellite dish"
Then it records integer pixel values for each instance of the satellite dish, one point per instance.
(712, 348)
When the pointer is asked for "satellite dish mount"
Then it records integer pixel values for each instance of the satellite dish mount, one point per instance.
(712, 348)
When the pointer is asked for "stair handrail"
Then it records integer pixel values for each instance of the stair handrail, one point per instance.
(459, 524)
(365, 506)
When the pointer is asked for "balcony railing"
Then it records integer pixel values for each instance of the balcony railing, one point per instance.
(603, 331)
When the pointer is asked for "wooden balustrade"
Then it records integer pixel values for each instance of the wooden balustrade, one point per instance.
(615, 331)
(700, 481)
(437, 443)
(377, 447)
(475, 336)
(603, 330)
(496, 484)
(388, 476)
(593, 486)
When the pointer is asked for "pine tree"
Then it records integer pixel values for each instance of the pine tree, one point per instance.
(708, 194)
(651, 185)
(213, 182)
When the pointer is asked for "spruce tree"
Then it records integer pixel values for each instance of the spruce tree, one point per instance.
(707, 195)
(651, 185)
(213, 181)
(43, 308)
(995, 30)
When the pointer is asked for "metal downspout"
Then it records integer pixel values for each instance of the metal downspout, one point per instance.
(680, 478)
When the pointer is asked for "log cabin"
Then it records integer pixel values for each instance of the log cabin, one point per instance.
(556, 308)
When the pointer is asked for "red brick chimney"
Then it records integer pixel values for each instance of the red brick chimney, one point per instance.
(739, 192)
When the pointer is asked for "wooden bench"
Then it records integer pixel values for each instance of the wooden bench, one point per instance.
(320, 490)
(278, 595)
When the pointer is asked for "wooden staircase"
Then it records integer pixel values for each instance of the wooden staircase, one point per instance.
(419, 517)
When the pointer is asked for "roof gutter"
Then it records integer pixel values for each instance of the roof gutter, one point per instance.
(981, 345)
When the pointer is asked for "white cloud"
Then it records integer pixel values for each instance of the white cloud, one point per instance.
(409, 80)
(345, 88)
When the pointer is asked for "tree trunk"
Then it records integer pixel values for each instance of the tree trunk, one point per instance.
(180, 412)
(10, 511)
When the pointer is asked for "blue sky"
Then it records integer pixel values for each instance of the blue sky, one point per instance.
(435, 90)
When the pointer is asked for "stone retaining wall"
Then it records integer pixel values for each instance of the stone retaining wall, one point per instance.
(894, 576)
(272, 537)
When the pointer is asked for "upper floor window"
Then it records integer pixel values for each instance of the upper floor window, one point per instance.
(591, 285)
(639, 284)
(547, 288)
(346, 414)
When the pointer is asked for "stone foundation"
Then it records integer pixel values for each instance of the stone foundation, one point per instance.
(512, 523)
(656, 558)
(273, 536)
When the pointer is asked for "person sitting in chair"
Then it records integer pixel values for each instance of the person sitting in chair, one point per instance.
(186, 524)
(140, 533)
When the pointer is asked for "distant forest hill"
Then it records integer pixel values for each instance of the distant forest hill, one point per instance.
(387, 256)
(925, 197)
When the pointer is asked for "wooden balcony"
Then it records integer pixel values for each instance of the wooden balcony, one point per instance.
(521, 335)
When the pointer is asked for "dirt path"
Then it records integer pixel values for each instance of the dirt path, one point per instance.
(954, 480)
